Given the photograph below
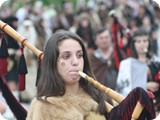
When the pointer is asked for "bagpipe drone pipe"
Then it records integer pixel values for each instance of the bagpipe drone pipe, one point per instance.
(119, 32)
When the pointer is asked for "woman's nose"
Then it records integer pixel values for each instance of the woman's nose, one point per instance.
(75, 61)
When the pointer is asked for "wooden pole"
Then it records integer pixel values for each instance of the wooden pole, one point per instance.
(10, 31)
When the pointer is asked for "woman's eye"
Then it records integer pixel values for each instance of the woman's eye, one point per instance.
(145, 41)
(137, 41)
(80, 55)
(65, 56)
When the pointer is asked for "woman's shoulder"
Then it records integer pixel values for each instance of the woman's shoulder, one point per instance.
(126, 61)
(42, 108)
(36, 103)
(45, 100)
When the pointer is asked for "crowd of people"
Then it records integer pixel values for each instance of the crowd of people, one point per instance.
(121, 43)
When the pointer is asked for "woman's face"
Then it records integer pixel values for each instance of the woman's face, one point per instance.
(70, 61)
(141, 44)
(85, 23)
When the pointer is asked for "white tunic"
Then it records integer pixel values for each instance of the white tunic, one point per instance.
(132, 74)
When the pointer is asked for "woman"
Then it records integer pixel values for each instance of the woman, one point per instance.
(85, 31)
(141, 69)
(63, 95)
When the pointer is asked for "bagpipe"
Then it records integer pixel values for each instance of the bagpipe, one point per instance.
(119, 32)
(18, 110)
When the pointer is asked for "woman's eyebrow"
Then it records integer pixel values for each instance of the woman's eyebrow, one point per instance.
(80, 51)
(63, 52)
(67, 51)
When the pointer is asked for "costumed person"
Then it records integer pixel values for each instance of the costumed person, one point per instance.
(62, 94)
(14, 55)
(121, 40)
(140, 70)
(154, 40)
(85, 31)
(102, 59)
(28, 30)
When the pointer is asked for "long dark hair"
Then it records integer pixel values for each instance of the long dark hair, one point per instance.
(51, 83)
(139, 32)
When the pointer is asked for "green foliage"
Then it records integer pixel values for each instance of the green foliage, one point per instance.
(58, 3)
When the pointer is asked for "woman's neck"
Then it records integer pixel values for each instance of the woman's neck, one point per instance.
(142, 58)
(73, 89)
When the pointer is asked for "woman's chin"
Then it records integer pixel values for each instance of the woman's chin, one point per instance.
(74, 79)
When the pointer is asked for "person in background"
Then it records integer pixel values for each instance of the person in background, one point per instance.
(14, 55)
(154, 40)
(102, 60)
(85, 31)
(27, 30)
(141, 69)
(63, 94)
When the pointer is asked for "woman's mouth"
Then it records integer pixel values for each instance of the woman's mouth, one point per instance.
(74, 74)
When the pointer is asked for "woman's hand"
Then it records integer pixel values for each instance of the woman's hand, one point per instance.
(153, 86)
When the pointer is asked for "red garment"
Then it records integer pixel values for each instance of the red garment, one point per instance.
(125, 109)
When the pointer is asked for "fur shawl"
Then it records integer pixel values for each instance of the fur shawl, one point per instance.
(67, 107)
